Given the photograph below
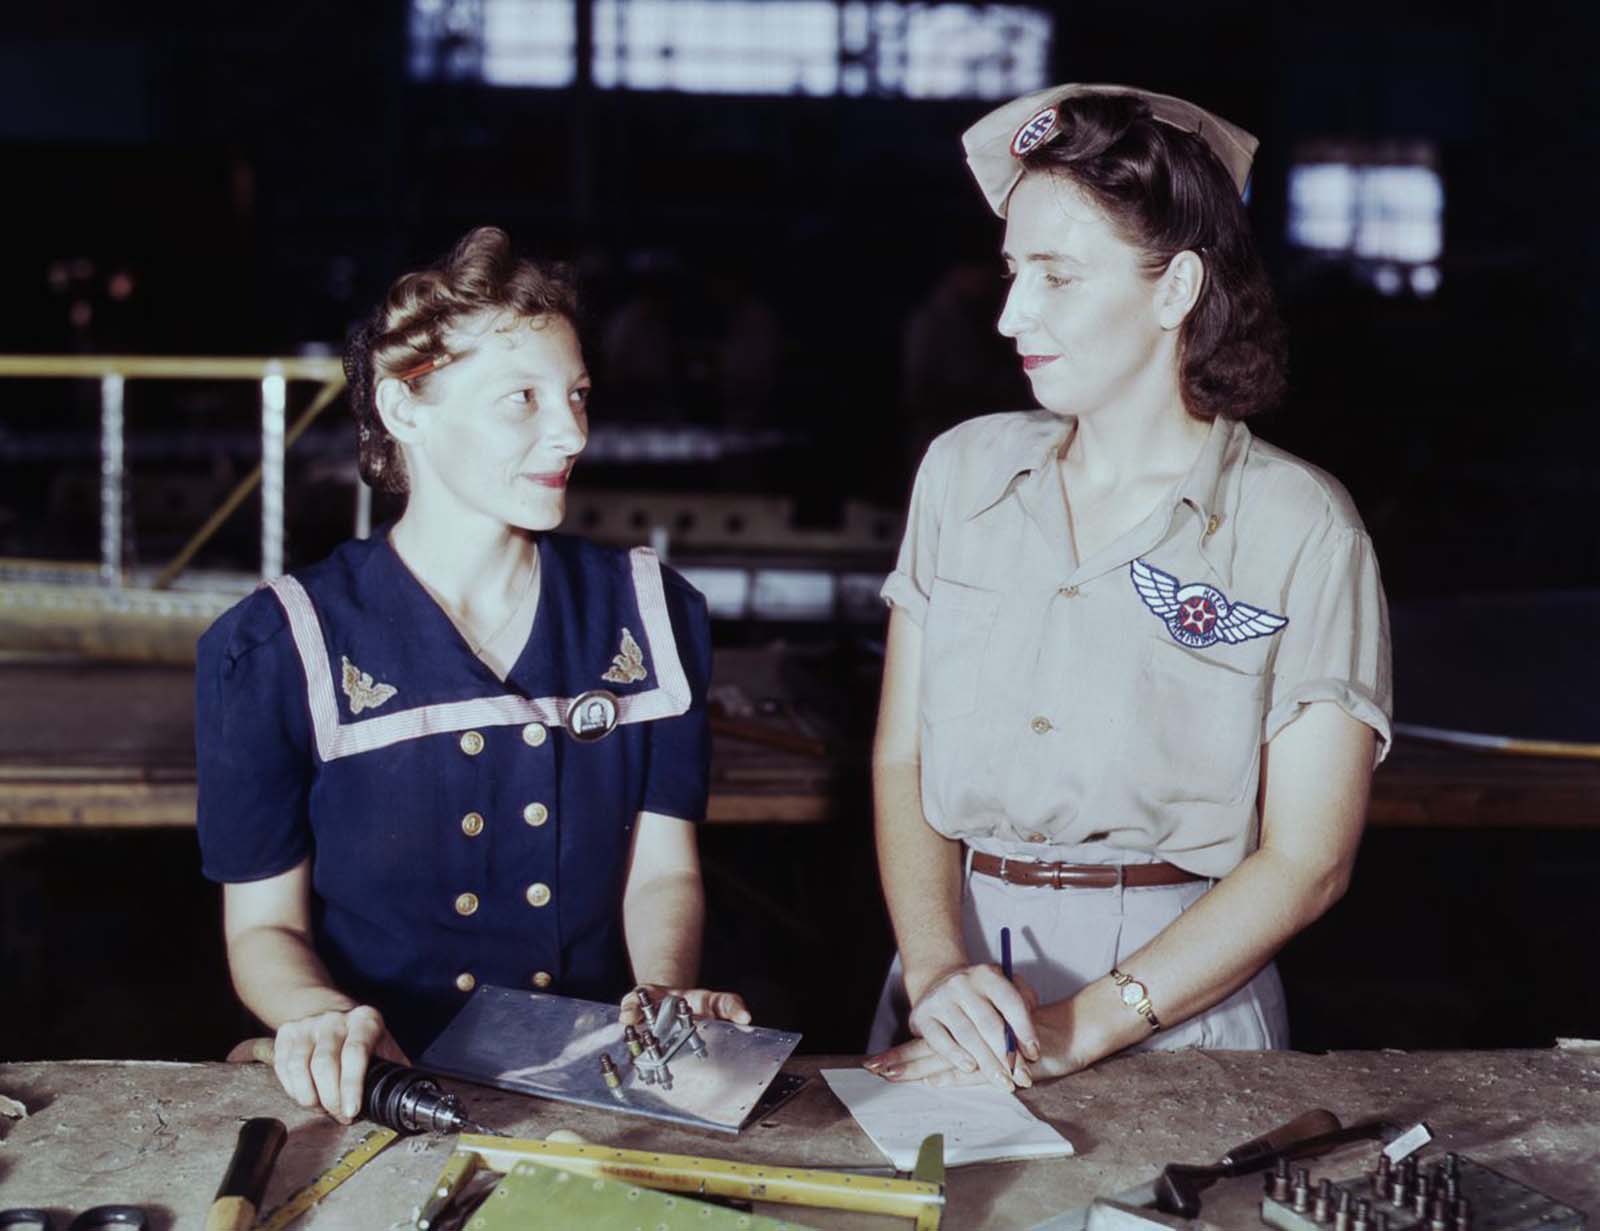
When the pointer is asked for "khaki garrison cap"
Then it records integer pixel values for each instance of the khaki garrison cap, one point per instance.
(996, 143)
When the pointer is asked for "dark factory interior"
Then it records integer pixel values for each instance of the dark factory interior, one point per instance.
(789, 288)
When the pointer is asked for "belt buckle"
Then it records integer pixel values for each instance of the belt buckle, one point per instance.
(1055, 876)
(1002, 874)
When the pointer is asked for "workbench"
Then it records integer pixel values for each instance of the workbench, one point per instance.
(160, 1135)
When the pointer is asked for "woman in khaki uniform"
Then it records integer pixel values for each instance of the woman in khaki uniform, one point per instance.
(1138, 671)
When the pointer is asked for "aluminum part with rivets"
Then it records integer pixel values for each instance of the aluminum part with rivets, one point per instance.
(710, 1074)
(650, 1177)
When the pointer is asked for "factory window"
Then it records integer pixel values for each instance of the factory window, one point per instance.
(1379, 208)
(885, 48)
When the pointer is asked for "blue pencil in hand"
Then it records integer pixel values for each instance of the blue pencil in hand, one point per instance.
(1005, 969)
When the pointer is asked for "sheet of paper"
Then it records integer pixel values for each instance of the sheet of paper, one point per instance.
(979, 1123)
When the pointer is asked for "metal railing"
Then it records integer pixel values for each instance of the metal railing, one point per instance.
(273, 374)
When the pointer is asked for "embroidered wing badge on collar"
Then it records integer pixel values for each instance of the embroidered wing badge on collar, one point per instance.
(358, 686)
(628, 666)
(1199, 615)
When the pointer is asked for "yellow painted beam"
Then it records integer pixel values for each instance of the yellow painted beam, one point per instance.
(173, 367)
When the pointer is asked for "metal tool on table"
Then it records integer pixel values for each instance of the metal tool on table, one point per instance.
(254, 1153)
(403, 1099)
(1454, 1194)
(1177, 1189)
(920, 1198)
(705, 1073)
(100, 1218)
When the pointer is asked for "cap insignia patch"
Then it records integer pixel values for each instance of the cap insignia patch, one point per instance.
(1039, 129)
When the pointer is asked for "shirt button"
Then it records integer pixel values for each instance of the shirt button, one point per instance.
(1068, 591)
(536, 814)
(1036, 837)
(538, 894)
(1040, 725)
(541, 978)
(472, 824)
(1212, 523)
(467, 904)
(466, 981)
(471, 743)
(533, 734)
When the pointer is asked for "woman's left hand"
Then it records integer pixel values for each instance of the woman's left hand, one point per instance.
(918, 1060)
(702, 1002)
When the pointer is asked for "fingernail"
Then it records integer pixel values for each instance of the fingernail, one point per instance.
(1031, 1048)
(873, 1063)
(892, 1071)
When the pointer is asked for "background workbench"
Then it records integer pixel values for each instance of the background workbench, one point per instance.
(104, 745)
(160, 1135)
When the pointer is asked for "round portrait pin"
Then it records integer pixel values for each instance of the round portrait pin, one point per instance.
(592, 715)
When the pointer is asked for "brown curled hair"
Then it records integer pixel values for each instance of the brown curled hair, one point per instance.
(1165, 192)
(407, 331)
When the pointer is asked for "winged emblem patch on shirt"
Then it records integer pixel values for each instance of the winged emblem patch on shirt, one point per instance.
(1198, 615)
(358, 686)
(628, 666)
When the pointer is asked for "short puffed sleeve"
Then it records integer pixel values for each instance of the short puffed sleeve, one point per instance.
(678, 769)
(911, 582)
(253, 745)
(1336, 644)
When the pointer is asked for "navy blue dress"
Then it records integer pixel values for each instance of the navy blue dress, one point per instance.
(458, 832)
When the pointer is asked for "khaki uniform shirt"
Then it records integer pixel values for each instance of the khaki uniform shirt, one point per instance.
(1124, 699)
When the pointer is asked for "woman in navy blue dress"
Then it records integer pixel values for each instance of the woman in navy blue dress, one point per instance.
(465, 750)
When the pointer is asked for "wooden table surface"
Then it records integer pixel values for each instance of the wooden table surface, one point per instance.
(160, 1135)
(103, 745)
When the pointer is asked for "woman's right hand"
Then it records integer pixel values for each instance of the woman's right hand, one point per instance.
(962, 1015)
(322, 1060)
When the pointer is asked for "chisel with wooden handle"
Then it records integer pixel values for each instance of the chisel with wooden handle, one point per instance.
(245, 1180)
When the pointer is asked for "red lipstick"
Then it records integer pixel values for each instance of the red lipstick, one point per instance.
(1029, 362)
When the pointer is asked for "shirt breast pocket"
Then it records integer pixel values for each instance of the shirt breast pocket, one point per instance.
(1199, 727)
(955, 636)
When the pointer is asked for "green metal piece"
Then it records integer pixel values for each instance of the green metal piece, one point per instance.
(930, 1160)
(532, 1197)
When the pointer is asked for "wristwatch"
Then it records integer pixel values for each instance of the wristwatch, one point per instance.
(1136, 997)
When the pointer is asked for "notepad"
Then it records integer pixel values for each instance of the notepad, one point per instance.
(979, 1123)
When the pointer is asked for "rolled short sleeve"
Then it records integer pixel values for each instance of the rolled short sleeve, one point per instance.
(252, 744)
(909, 586)
(1336, 644)
(678, 773)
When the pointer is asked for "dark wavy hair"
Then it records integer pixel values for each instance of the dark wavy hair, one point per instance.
(1165, 192)
(482, 273)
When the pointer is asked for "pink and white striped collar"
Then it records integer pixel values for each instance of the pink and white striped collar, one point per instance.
(338, 738)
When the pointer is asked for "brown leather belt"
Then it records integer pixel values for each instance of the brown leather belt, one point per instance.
(1081, 875)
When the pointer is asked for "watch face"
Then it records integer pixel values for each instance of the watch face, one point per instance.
(1132, 992)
